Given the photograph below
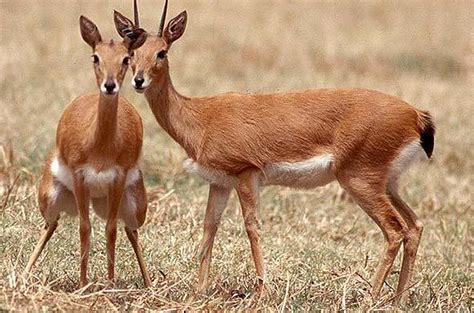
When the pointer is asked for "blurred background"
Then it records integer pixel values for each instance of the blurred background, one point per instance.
(421, 51)
(402, 48)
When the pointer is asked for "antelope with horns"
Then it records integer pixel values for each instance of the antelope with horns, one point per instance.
(361, 138)
(98, 144)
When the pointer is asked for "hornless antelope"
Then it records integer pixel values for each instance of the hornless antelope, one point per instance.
(364, 139)
(98, 144)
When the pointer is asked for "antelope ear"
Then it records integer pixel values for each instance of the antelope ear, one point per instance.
(135, 38)
(123, 25)
(175, 28)
(89, 31)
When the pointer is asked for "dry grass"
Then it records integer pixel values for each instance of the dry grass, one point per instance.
(320, 249)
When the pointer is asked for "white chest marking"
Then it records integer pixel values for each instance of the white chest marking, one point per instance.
(97, 182)
(308, 173)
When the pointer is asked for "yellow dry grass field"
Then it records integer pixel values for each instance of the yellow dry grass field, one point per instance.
(320, 249)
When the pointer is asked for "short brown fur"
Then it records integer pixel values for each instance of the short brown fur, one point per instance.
(240, 134)
(99, 131)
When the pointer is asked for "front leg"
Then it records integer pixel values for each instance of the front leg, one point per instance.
(248, 192)
(81, 194)
(216, 203)
(114, 200)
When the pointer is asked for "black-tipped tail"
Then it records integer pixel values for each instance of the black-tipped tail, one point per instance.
(427, 132)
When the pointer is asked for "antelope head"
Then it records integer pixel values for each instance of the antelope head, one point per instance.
(149, 62)
(110, 58)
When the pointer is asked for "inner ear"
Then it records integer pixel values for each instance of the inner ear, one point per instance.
(135, 38)
(123, 25)
(175, 28)
(89, 32)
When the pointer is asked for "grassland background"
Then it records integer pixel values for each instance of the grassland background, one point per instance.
(320, 249)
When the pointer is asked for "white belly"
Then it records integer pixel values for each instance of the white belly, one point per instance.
(309, 173)
(97, 182)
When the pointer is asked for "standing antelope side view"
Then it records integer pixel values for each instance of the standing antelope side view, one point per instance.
(98, 144)
(364, 139)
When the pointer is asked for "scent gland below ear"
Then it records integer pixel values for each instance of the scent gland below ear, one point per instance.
(162, 54)
(126, 61)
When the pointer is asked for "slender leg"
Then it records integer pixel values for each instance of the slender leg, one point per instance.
(216, 203)
(81, 194)
(410, 243)
(133, 238)
(378, 206)
(47, 233)
(114, 200)
(248, 193)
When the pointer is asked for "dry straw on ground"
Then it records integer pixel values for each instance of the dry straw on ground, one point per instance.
(320, 249)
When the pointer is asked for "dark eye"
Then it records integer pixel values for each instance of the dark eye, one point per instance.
(162, 54)
(132, 53)
(126, 61)
(95, 59)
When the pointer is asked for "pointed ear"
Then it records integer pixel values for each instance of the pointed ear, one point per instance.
(122, 24)
(135, 38)
(89, 32)
(175, 28)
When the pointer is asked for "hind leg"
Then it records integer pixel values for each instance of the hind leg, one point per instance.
(410, 242)
(53, 198)
(132, 236)
(133, 212)
(372, 198)
(47, 233)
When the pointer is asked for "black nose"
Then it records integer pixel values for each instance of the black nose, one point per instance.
(139, 81)
(109, 86)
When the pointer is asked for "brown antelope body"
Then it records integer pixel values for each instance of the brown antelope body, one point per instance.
(98, 144)
(364, 139)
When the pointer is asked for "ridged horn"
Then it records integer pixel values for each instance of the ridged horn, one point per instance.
(163, 19)
(135, 13)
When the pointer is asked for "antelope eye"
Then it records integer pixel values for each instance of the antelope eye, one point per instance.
(162, 54)
(126, 61)
(95, 59)
(132, 53)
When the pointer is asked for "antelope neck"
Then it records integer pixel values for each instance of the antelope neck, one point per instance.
(176, 114)
(106, 120)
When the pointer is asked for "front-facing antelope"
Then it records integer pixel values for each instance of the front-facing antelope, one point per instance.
(98, 144)
(362, 138)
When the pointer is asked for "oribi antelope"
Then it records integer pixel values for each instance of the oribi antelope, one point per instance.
(361, 138)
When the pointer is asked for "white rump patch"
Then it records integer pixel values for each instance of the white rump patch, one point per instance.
(97, 182)
(308, 173)
(411, 153)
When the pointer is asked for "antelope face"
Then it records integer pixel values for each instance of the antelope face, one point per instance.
(110, 59)
(110, 62)
(149, 62)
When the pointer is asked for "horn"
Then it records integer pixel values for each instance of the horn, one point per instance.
(163, 18)
(135, 13)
